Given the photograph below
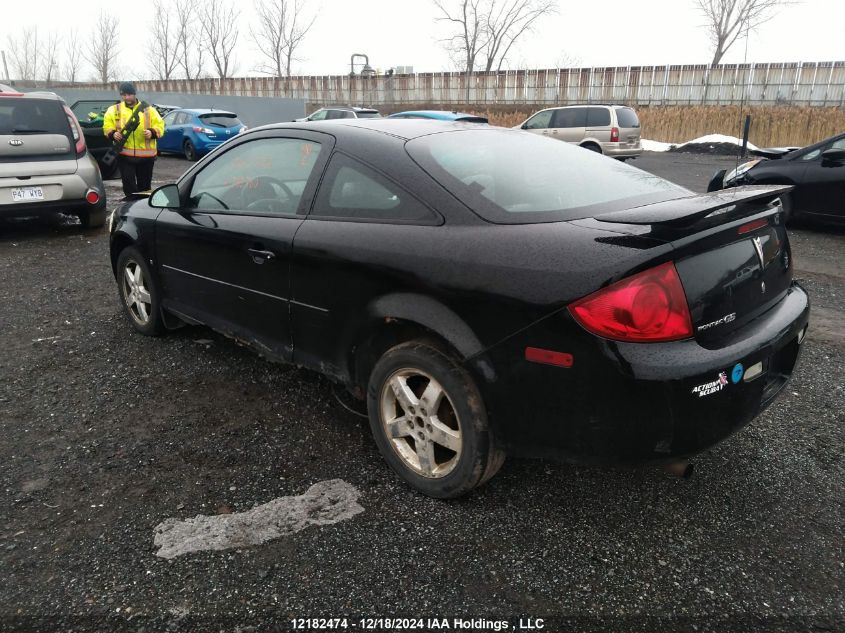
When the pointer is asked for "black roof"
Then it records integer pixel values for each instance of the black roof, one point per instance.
(406, 129)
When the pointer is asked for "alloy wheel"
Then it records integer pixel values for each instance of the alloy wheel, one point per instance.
(135, 292)
(421, 423)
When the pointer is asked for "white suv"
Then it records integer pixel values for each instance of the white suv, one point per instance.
(613, 130)
(342, 112)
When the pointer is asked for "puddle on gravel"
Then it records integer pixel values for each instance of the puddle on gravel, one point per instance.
(323, 503)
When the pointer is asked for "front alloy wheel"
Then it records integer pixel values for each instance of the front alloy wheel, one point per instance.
(138, 292)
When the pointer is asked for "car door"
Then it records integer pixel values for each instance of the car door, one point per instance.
(569, 124)
(822, 185)
(224, 256)
(344, 256)
(168, 142)
(539, 123)
(598, 124)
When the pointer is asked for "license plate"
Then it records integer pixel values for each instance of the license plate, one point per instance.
(27, 194)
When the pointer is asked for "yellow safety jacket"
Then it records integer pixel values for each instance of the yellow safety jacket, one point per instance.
(116, 118)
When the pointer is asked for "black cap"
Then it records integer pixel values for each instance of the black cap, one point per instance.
(127, 88)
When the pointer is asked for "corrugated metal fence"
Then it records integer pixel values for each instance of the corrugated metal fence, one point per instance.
(805, 84)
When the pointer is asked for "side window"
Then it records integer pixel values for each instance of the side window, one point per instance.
(182, 118)
(539, 121)
(350, 189)
(570, 117)
(319, 115)
(169, 119)
(334, 114)
(264, 176)
(598, 117)
(840, 144)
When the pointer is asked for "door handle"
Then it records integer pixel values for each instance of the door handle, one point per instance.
(259, 256)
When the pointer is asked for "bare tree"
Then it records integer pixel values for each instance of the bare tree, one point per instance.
(282, 25)
(190, 51)
(469, 37)
(164, 44)
(102, 50)
(506, 22)
(727, 19)
(484, 31)
(50, 67)
(73, 56)
(25, 53)
(220, 31)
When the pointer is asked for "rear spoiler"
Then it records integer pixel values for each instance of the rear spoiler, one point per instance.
(688, 211)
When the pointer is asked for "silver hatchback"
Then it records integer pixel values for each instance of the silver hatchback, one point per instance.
(45, 165)
(613, 130)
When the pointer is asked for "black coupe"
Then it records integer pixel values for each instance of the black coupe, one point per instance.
(817, 173)
(484, 290)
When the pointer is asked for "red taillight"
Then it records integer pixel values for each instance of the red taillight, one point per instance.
(11, 94)
(78, 136)
(614, 135)
(648, 307)
(752, 226)
(92, 197)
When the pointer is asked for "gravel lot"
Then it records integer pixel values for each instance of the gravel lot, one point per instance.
(105, 434)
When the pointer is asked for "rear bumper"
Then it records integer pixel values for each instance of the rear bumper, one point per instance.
(637, 403)
(621, 150)
(64, 192)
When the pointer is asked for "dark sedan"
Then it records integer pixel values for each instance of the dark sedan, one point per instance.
(817, 173)
(483, 290)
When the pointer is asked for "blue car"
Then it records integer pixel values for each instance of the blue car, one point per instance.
(195, 132)
(440, 115)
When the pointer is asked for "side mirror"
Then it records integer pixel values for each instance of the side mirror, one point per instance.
(834, 156)
(165, 197)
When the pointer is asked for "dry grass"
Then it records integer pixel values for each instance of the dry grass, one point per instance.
(770, 126)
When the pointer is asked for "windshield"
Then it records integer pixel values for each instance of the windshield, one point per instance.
(33, 116)
(513, 177)
(220, 120)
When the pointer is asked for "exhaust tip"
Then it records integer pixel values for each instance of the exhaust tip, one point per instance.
(681, 470)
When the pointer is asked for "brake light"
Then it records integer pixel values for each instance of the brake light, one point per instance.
(78, 136)
(648, 307)
(614, 135)
(202, 130)
(11, 94)
(92, 197)
(752, 226)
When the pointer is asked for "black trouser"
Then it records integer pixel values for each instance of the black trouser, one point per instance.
(136, 173)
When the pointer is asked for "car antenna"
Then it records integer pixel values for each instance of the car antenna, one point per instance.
(744, 95)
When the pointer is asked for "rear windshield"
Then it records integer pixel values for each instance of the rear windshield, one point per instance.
(627, 117)
(220, 120)
(368, 115)
(513, 177)
(20, 116)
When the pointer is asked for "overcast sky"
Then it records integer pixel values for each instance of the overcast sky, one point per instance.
(406, 33)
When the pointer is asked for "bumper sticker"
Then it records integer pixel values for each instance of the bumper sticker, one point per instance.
(711, 387)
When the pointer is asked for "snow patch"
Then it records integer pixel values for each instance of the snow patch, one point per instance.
(324, 503)
(709, 139)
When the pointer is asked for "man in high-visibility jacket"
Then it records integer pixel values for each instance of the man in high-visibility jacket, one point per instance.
(138, 154)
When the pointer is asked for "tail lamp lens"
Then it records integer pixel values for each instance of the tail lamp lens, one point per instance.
(92, 197)
(614, 135)
(76, 129)
(650, 306)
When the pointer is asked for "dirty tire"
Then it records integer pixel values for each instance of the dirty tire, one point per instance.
(93, 218)
(474, 456)
(190, 151)
(147, 320)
